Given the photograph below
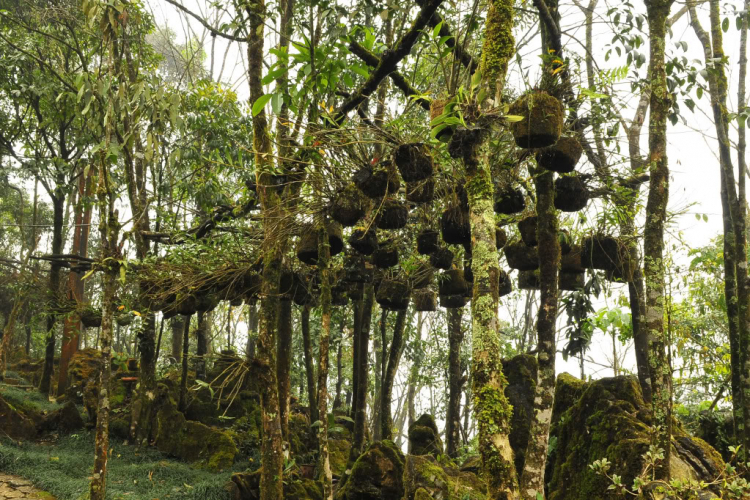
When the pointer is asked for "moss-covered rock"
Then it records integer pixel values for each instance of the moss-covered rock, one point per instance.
(610, 419)
(338, 450)
(14, 422)
(246, 486)
(191, 441)
(424, 437)
(376, 475)
(84, 366)
(64, 420)
(425, 477)
(521, 373)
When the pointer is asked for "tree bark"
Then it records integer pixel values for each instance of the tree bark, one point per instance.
(656, 213)
(178, 325)
(379, 346)
(284, 363)
(361, 366)
(309, 365)
(201, 346)
(532, 478)
(453, 412)
(324, 256)
(185, 351)
(386, 394)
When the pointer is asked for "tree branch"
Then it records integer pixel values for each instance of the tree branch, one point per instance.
(211, 29)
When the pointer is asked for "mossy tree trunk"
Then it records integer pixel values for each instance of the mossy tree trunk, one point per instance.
(271, 482)
(455, 383)
(284, 363)
(656, 214)
(339, 365)
(532, 478)
(178, 325)
(309, 363)
(734, 222)
(185, 352)
(361, 366)
(386, 394)
(201, 346)
(379, 345)
(324, 271)
(492, 410)
(58, 211)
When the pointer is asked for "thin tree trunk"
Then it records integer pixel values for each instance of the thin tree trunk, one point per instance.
(201, 346)
(178, 325)
(324, 256)
(358, 310)
(284, 363)
(361, 365)
(309, 365)
(185, 352)
(379, 345)
(656, 213)
(453, 412)
(744, 361)
(339, 366)
(252, 331)
(394, 357)
(58, 208)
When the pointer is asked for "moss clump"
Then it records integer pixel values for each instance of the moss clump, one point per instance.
(562, 157)
(499, 44)
(338, 450)
(376, 475)
(413, 161)
(349, 206)
(425, 477)
(14, 422)
(424, 437)
(521, 257)
(509, 201)
(191, 441)
(521, 373)
(542, 123)
(571, 194)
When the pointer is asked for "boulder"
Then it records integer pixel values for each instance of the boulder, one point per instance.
(425, 478)
(424, 437)
(246, 486)
(14, 422)
(611, 420)
(191, 441)
(376, 475)
(65, 420)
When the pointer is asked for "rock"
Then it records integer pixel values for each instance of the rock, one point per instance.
(84, 366)
(376, 475)
(425, 478)
(424, 437)
(610, 419)
(338, 450)
(521, 373)
(14, 422)
(65, 420)
(191, 441)
(246, 486)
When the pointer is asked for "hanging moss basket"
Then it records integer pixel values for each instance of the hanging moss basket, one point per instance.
(427, 242)
(542, 120)
(124, 319)
(364, 242)
(606, 253)
(425, 300)
(468, 272)
(455, 226)
(464, 142)
(420, 192)
(571, 281)
(385, 256)
(509, 201)
(571, 194)
(393, 294)
(355, 291)
(501, 237)
(571, 261)
(562, 157)
(453, 301)
(376, 182)
(528, 280)
(307, 248)
(422, 276)
(616, 276)
(452, 282)
(187, 305)
(414, 161)
(349, 206)
(252, 284)
(236, 302)
(527, 228)
(169, 313)
(505, 285)
(442, 258)
(356, 270)
(521, 257)
(393, 215)
(90, 317)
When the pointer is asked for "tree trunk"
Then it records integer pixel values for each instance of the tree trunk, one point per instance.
(201, 346)
(58, 208)
(178, 325)
(379, 345)
(324, 256)
(284, 363)
(361, 366)
(185, 352)
(252, 331)
(309, 364)
(656, 212)
(394, 357)
(339, 367)
(358, 311)
(453, 412)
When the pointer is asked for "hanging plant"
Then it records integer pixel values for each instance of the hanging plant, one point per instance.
(393, 294)
(505, 286)
(392, 215)
(363, 241)
(442, 258)
(453, 301)
(420, 192)
(90, 317)
(571, 261)
(307, 247)
(356, 270)
(376, 182)
(571, 194)
(542, 120)
(527, 228)
(606, 253)
(425, 300)
(562, 157)
(414, 161)
(349, 206)
(455, 226)
(427, 241)
(386, 255)
(571, 281)
(452, 282)
(521, 257)
(421, 276)
(509, 201)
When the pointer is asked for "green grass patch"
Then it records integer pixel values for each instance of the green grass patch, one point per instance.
(64, 470)
(27, 399)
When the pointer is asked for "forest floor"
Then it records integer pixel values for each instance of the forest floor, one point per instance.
(16, 488)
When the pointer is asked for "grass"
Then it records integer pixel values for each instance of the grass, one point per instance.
(63, 469)
(27, 399)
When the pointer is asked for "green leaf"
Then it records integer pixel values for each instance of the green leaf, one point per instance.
(436, 30)
(260, 103)
(725, 25)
